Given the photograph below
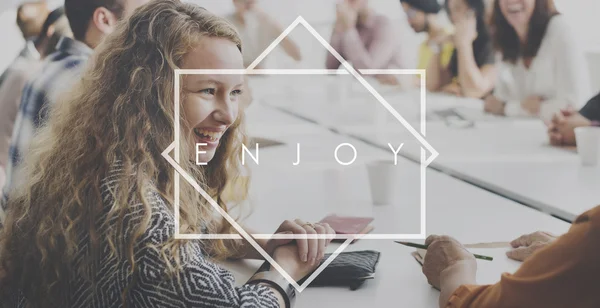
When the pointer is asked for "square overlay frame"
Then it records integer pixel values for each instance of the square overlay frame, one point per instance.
(348, 69)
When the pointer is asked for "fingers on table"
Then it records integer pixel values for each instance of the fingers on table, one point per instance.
(313, 244)
(302, 242)
(523, 252)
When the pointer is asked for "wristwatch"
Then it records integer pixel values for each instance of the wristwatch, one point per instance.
(275, 280)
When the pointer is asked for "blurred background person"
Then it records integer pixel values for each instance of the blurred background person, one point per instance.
(423, 16)
(258, 30)
(365, 39)
(30, 19)
(20, 71)
(471, 71)
(543, 67)
(90, 22)
(561, 129)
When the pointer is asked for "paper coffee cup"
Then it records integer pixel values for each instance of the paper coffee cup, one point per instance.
(588, 142)
(383, 181)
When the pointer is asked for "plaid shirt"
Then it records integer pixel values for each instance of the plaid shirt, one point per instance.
(58, 73)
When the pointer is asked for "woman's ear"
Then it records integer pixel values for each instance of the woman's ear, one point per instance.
(104, 20)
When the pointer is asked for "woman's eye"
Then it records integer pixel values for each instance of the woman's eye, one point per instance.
(209, 91)
(236, 92)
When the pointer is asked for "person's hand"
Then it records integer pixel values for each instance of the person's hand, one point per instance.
(526, 245)
(309, 250)
(493, 105)
(287, 257)
(452, 88)
(561, 129)
(444, 253)
(346, 16)
(389, 80)
(532, 104)
(465, 30)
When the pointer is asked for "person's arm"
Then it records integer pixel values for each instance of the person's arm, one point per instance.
(380, 51)
(591, 110)
(437, 74)
(336, 42)
(570, 73)
(475, 81)
(505, 91)
(563, 274)
(196, 281)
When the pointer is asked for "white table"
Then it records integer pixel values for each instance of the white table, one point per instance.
(511, 157)
(453, 207)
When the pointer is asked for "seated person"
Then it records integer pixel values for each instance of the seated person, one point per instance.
(23, 68)
(471, 71)
(541, 71)
(562, 274)
(423, 16)
(561, 129)
(258, 30)
(363, 38)
(94, 223)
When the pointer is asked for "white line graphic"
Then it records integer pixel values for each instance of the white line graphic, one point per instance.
(174, 147)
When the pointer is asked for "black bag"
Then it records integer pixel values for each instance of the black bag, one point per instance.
(349, 269)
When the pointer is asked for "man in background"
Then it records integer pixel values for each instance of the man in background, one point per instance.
(23, 68)
(91, 21)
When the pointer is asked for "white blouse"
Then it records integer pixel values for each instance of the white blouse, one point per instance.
(558, 74)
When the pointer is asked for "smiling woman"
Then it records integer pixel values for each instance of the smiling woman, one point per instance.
(93, 225)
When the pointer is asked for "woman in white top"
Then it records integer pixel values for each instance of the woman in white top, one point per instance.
(258, 30)
(543, 68)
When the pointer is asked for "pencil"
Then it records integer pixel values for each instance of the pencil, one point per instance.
(414, 245)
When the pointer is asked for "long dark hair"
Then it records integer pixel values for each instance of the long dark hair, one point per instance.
(483, 40)
(506, 39)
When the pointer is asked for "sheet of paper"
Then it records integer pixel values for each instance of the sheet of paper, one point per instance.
(488, 272)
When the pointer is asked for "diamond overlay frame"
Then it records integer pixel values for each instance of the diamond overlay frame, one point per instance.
(252, 71)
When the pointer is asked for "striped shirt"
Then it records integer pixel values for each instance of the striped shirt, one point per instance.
(58, 73)
(199, 283)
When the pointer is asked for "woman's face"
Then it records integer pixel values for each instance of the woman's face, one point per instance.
(457, 9)
(517, 12)
(211, 102)
(417, 19)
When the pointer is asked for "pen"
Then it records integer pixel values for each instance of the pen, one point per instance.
(414, 245)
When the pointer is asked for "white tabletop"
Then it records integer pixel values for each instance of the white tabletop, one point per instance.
(281, 191)
(511, 157)
(453, 207)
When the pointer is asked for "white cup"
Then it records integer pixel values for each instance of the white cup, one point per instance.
(588, 143)
(383, 177)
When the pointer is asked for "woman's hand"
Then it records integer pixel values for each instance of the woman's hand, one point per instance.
(287, 257)
(493, 105)
(533, 104)
(346, 16)
(528, 244)
(309, 250)
(465, 31)
(453, 89)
